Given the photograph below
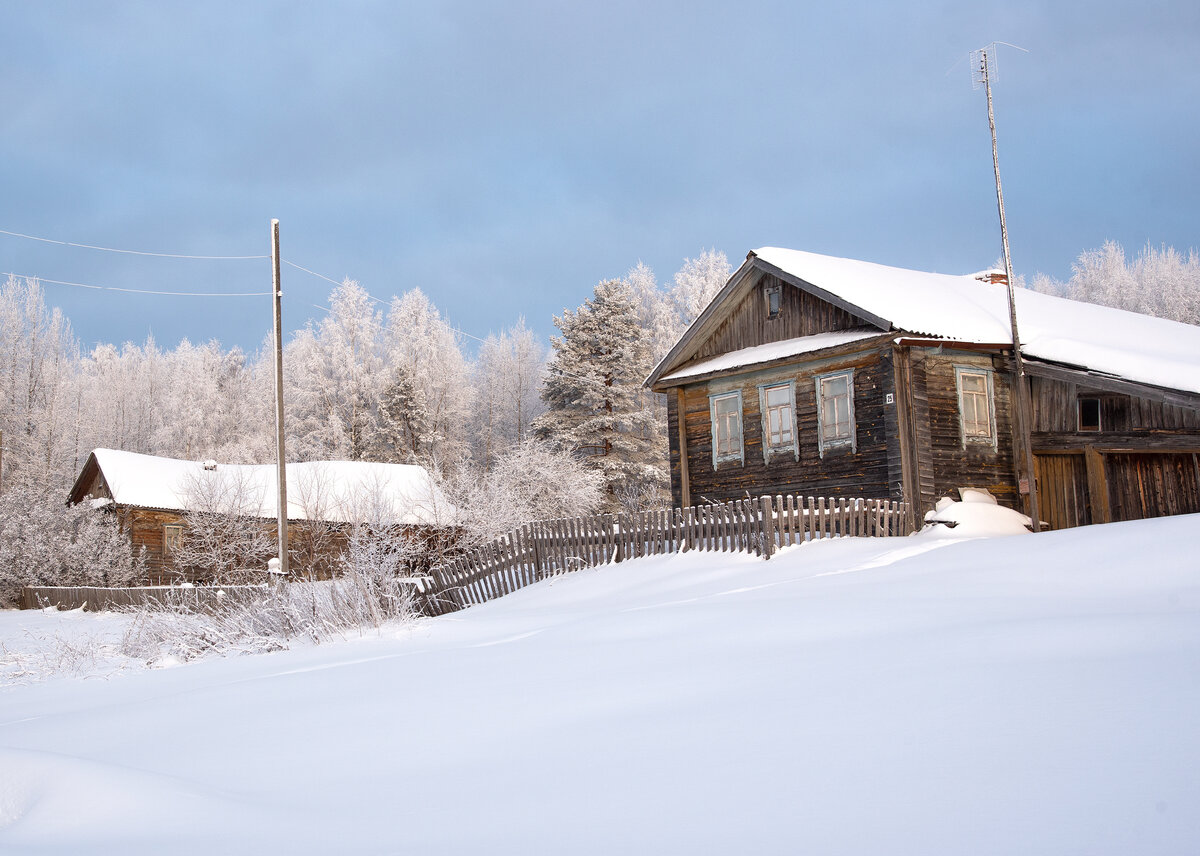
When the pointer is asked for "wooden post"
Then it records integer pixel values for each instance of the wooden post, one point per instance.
(1097, 481)
(279, 450)
(767, 526)
(1022, 411)
(685, 490)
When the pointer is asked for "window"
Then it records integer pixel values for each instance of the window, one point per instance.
(1089, 414)
(172, 539)
(726, 412)
(776, 402)
(774, 294)
(975, 408)
(835, 411)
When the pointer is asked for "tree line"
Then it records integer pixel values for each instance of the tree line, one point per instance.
(502, 430)
(514, 432)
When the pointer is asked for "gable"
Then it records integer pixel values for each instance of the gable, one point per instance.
(749, 324)
(739, 317)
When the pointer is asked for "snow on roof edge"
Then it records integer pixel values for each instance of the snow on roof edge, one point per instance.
(334, 491)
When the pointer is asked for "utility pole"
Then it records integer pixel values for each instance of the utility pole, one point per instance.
(279, 452)
(1023, 413)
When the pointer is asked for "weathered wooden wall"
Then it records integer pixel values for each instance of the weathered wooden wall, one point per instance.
(870, 471)
(1055, 411)
(800, 314)
(951, 463)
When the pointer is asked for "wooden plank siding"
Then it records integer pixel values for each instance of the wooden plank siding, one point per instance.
(951, 462)
(800, 314)
(871, 470)
(1152, 485)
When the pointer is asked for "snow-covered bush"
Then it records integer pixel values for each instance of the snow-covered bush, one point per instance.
(534, 481)
(43, 541)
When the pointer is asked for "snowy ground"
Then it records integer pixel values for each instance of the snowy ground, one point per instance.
(1028, 694)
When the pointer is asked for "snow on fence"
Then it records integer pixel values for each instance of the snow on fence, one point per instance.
(549, 547)
(96, 599)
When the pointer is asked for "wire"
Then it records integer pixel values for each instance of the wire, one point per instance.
(140, 290)
(313, 272)
(127, 252)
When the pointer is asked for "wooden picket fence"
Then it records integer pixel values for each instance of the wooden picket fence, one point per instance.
(549, 547)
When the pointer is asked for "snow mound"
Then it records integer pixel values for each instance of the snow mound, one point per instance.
(977, 515)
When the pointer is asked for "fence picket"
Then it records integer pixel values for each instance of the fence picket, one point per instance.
(545, 548)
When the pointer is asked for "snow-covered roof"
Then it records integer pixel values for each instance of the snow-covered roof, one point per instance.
(963, 308)
(771, 351)
(333, 491)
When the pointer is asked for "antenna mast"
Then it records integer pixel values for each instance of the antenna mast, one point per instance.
(981, 75)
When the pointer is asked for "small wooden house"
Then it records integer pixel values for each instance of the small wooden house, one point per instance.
(152, 497)
(823, 376)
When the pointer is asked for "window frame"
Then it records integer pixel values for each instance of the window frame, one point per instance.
(1099, 415)
(824, 443)
(172, 538)
(774, 299)
(728, 457)
(791, 445)
(990, 399)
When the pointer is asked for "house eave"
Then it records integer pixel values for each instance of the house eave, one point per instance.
(804, 358)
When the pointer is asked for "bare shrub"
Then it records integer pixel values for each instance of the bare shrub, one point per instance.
(225, 538)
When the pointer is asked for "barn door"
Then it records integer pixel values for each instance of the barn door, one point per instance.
(1062, 485)
(1153, 485)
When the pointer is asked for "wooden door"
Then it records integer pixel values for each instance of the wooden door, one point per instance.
(1063, 490)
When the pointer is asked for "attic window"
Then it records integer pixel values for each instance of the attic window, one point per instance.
(773, 293)
(1089, 414)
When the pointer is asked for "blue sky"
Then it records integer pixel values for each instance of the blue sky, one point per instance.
(505, 157)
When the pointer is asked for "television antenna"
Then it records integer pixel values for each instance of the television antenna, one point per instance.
(983, 69)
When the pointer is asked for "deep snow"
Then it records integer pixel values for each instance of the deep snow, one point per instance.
(1026, 694)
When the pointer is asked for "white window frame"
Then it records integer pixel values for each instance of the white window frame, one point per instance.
(990, 394)
(825, 443)
(791, 444)
(728, 456)
(172, 544)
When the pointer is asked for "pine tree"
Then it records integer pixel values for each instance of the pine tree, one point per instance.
(596, 406)
(405, 432)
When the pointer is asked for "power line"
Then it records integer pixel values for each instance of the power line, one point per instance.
(140, 290)
(313, 272)
(127, 252)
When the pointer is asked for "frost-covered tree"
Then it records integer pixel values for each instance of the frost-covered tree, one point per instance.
(423, 343)
(333, 376)
(38, 362)
(43, 541)
(1160, 281)
(697, 283)
(404, 432)
(596, 406)
(507, 375)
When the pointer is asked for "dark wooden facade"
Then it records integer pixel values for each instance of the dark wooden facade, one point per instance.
(910, 441)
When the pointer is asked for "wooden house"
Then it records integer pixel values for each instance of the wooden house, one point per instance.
(823, 376)
(153, 496)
